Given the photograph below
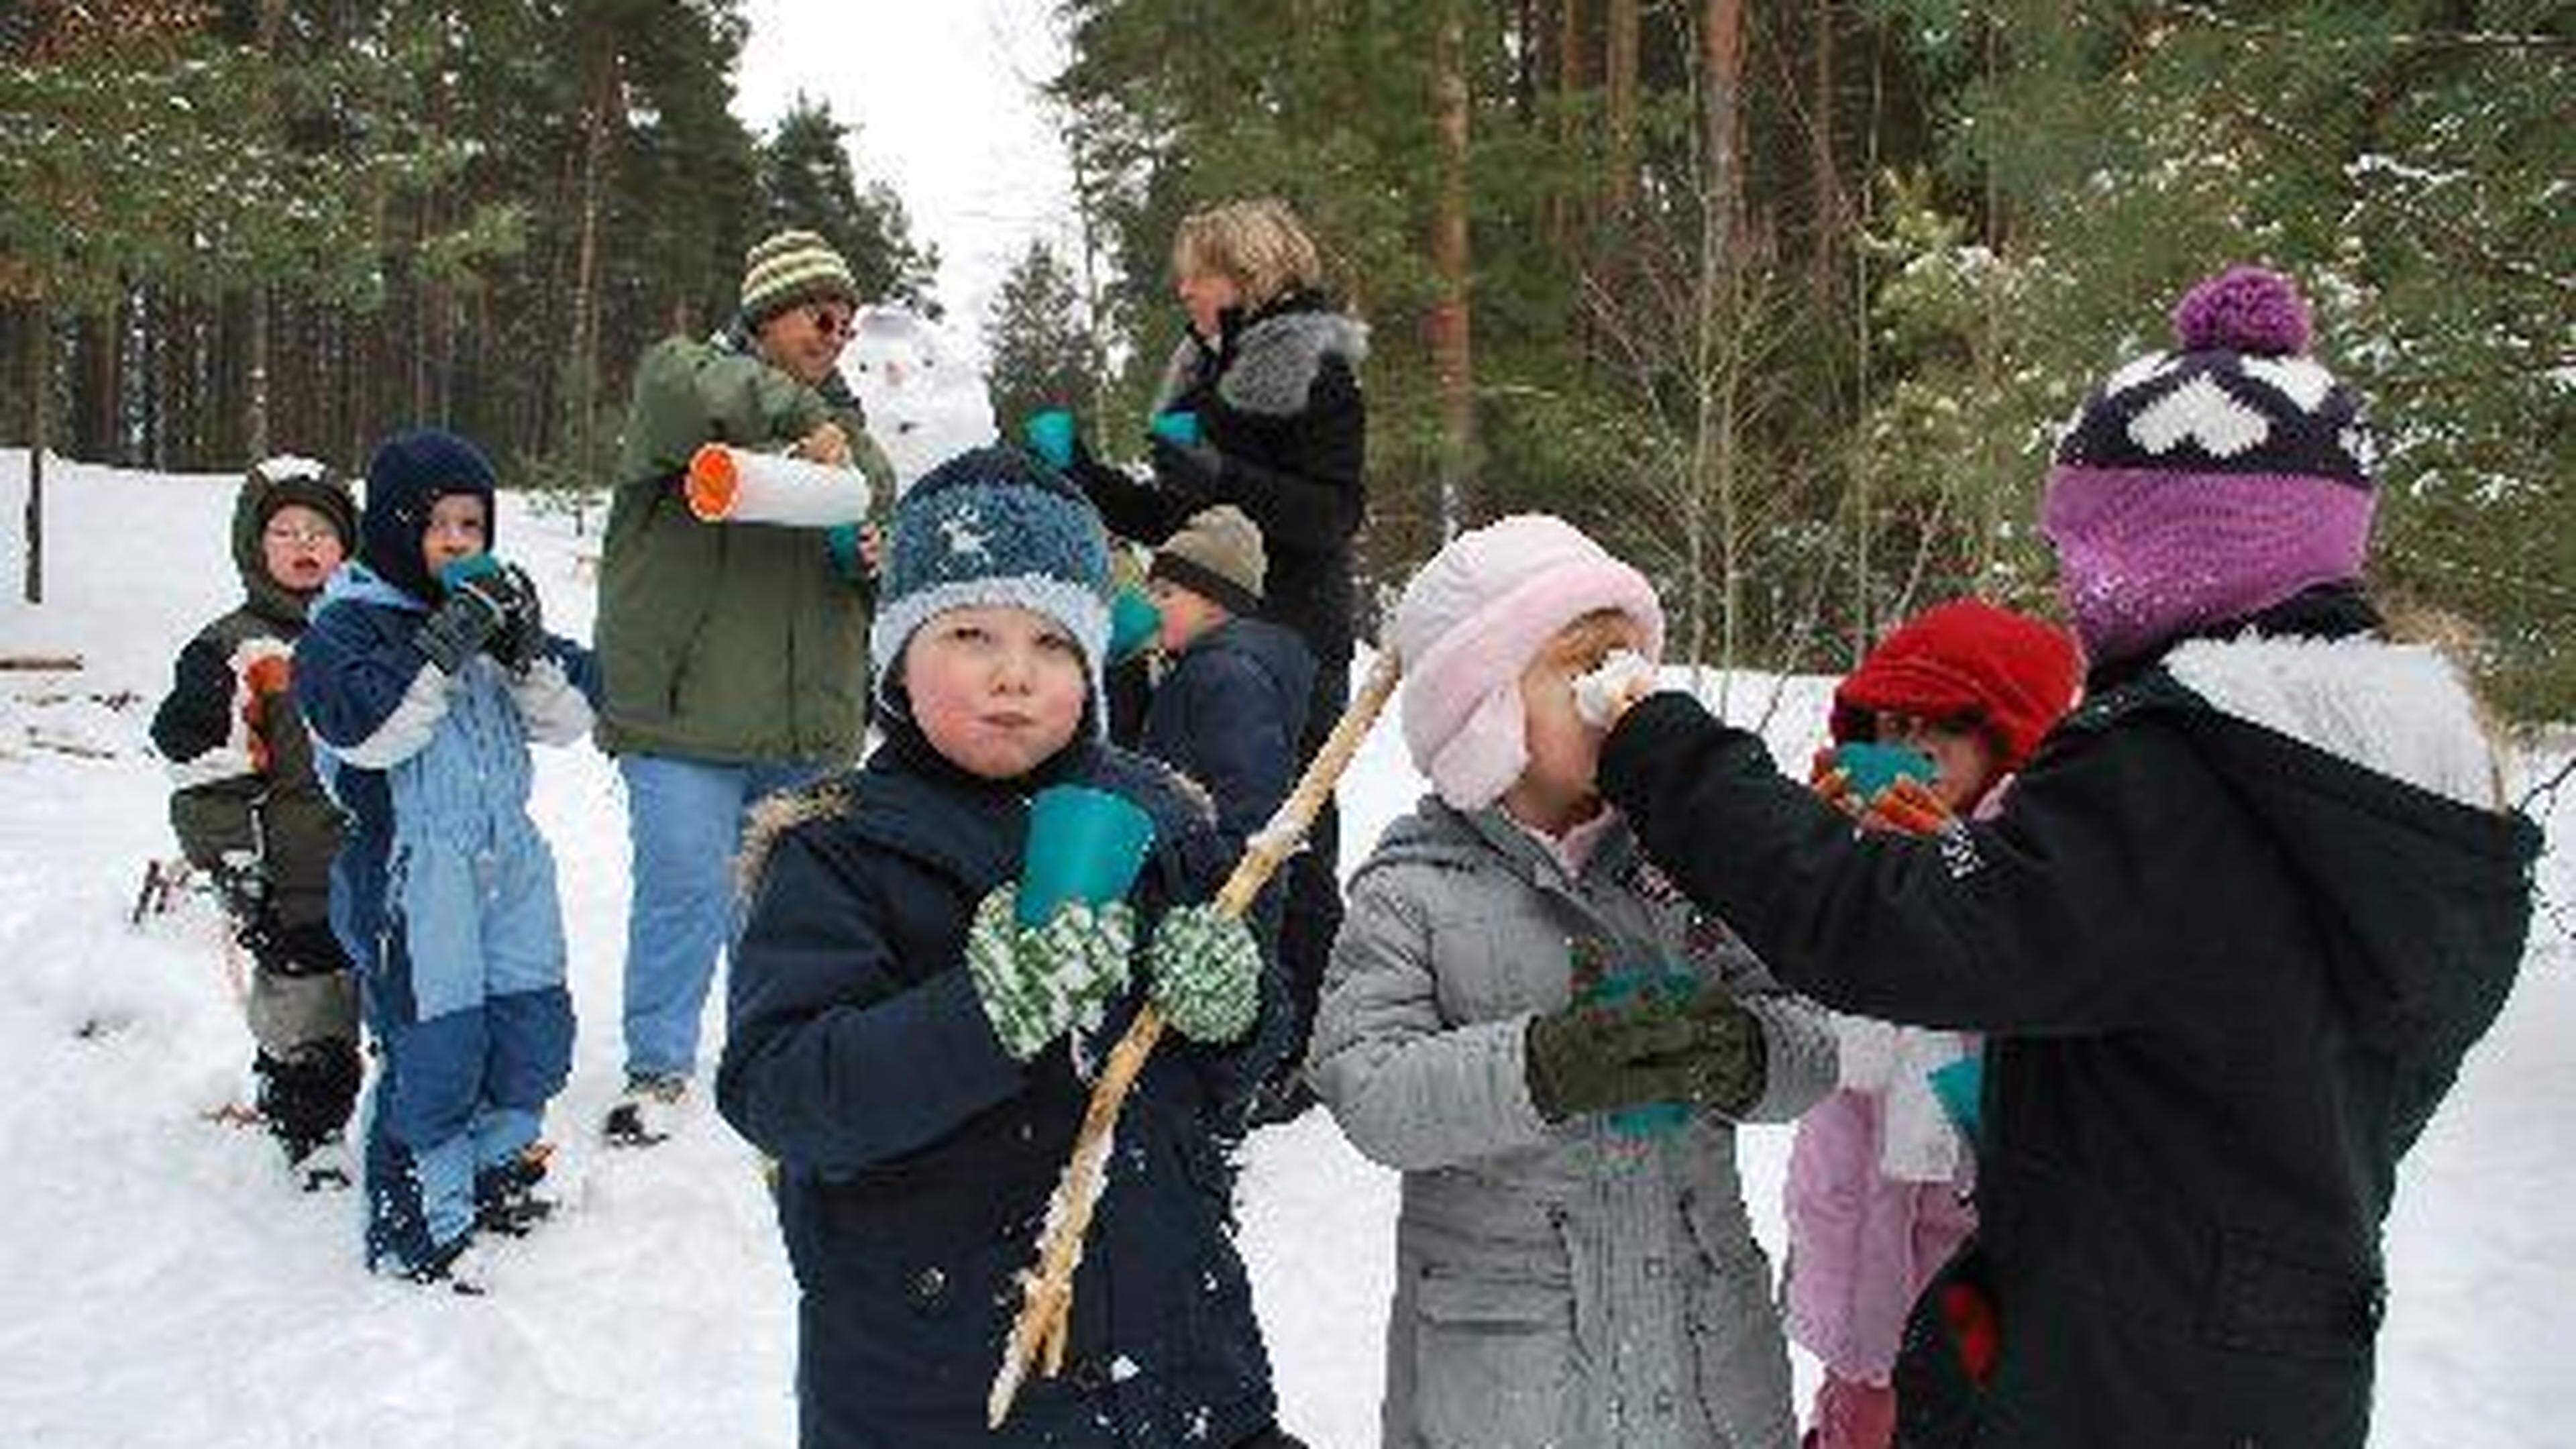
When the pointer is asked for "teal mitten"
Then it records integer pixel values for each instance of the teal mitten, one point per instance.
(1038, 983)
(1206, 973)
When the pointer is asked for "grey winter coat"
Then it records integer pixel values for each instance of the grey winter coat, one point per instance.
(1567, 1285)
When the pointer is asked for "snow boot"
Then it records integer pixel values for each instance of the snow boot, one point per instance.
(306, 1095)
(505, 1194)
(647, 1112)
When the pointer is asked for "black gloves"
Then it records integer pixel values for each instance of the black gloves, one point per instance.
(522, 635)
(489, 605)
(1188, 470)
(1705, 1051)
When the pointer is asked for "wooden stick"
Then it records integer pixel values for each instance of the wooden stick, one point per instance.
(44, 663)
(1046, 1309)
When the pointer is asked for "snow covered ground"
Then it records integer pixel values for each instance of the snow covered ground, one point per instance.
(164, 1287)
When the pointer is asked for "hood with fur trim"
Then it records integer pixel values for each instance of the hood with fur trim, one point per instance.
(2366, 762)
(1275, 358)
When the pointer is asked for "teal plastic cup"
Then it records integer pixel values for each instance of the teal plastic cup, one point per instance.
(1050, 436)
(1084, 845)
(1133, 623)
(1872, 768)
(1957, 1087)
(1178, 425)
(1658, 980)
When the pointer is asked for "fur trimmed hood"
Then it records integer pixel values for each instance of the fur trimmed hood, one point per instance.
(1271, 361)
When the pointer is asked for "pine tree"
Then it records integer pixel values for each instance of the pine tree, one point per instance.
(1041, 351)
(807, 181)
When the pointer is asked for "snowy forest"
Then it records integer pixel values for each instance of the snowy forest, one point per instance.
(1784, 299)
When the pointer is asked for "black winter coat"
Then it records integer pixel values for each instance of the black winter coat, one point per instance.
(2229, 960)
(916, 1157)
(1278, 397)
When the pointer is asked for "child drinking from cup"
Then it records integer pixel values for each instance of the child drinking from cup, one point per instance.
(912, 1041)
(425, 675)
(1523, 1018)
(1878, 1179)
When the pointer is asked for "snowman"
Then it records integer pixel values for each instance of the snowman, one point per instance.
(923, 404)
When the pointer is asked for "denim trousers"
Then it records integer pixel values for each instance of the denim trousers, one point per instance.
(684, 822)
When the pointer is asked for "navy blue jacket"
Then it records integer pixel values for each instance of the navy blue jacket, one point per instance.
(917, 1158)
(1229, 715)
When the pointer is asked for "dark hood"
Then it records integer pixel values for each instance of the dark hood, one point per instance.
(2424, 901)
(407, 476)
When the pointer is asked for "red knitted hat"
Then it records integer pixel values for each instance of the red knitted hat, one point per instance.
(1966, 660)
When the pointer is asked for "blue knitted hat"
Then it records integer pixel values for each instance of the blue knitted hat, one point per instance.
(405, 479)
(992, 527)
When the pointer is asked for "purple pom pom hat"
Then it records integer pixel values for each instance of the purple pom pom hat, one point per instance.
(2211, 482)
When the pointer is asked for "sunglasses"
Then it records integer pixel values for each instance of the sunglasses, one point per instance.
(830, 322)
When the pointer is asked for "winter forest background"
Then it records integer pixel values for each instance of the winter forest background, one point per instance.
(1781, 296)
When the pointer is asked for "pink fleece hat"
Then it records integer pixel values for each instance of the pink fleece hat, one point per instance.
(1472, 620)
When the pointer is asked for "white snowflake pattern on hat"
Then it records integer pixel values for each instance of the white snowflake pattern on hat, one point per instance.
(964, 535)
(2201, 411)
(2297, 378)
(2138, 371)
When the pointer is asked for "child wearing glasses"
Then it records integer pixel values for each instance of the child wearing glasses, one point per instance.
(249, 814)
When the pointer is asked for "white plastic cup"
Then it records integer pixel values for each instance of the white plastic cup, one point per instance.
(733, 485)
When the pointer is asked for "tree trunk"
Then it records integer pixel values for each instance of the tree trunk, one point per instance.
(41, 342)
(1824, 262)
(1619, 78)
(256, 382)
(1563, 219)
(1719, 306)
(1864, 625)
(1450, 317)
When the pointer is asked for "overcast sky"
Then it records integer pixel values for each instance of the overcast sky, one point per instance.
(943, 97)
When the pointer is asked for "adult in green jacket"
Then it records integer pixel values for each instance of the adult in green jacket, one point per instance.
(734, 655)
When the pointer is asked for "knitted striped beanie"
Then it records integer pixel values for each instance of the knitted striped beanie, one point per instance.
(789, 268)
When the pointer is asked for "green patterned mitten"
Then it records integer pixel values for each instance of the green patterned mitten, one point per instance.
(1035, 984)
(1206, 971)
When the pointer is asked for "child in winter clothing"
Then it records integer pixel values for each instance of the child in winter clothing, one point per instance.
(917, 1060)
(1878, 1178)
(249, 812)
(1231, 706)
(425, 674)
(1562, 1276)
(2230, 933)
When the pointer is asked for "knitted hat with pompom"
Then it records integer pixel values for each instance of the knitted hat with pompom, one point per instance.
(2211, 482)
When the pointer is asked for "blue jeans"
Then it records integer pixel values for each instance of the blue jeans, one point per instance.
(684, 819)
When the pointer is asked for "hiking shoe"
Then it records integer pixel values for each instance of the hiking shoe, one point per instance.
(461, 1267)
(505, 1194)
(647, 1112)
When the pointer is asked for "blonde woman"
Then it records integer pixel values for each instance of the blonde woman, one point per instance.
(1260, 407)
